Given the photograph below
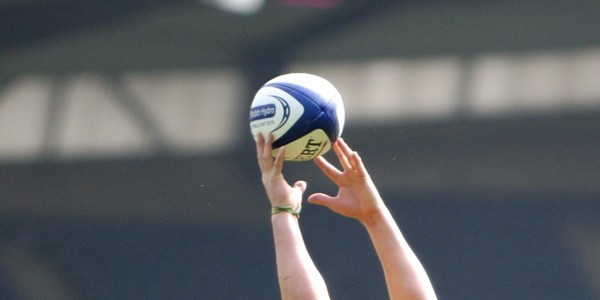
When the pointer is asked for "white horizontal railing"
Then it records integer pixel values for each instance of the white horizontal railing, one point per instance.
(92, 116)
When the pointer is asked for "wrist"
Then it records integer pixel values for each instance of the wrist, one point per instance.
(281, 200)
(375, 217)
(284, 218)
(287, 209)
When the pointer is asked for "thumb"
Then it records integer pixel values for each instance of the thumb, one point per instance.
(320, 199)
(300, 185)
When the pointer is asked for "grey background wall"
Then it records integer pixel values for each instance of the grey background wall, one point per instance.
(500, 206)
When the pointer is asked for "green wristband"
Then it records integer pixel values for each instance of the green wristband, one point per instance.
(287, 209)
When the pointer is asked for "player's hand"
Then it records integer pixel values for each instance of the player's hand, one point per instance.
(277, 188)
(357, 196)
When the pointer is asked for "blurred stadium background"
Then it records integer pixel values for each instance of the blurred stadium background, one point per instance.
(127, 170)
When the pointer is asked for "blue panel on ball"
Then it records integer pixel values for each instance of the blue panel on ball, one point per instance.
(330, 109)
(318, 113)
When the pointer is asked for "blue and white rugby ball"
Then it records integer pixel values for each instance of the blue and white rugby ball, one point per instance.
(304, 112)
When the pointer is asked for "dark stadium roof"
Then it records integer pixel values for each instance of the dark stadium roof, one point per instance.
(57, 35)
(111, 35)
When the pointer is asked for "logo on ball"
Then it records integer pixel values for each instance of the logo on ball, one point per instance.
(286, 111)
(262, 112)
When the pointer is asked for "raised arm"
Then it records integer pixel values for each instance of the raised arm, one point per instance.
(297, 274)
(358, 198)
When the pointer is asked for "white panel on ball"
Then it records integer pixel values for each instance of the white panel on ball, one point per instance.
(268, 101)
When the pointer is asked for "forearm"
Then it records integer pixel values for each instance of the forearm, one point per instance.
(297, 274)
(405, 276)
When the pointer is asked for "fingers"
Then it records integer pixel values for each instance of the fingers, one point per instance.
(349, 158)
(297, 191)
(268, 148)
(320, 199)
(353, 158)
(260, 143)
(358, 165)
(341, 155)
(260, 147)
(328, 169)
(350, 161)
(345, 155)
(278, 165)
(301, 185)
(345, 148)
(264, 148)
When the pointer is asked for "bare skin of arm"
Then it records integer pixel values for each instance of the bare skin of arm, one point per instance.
(298, 276)
(358, 198)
